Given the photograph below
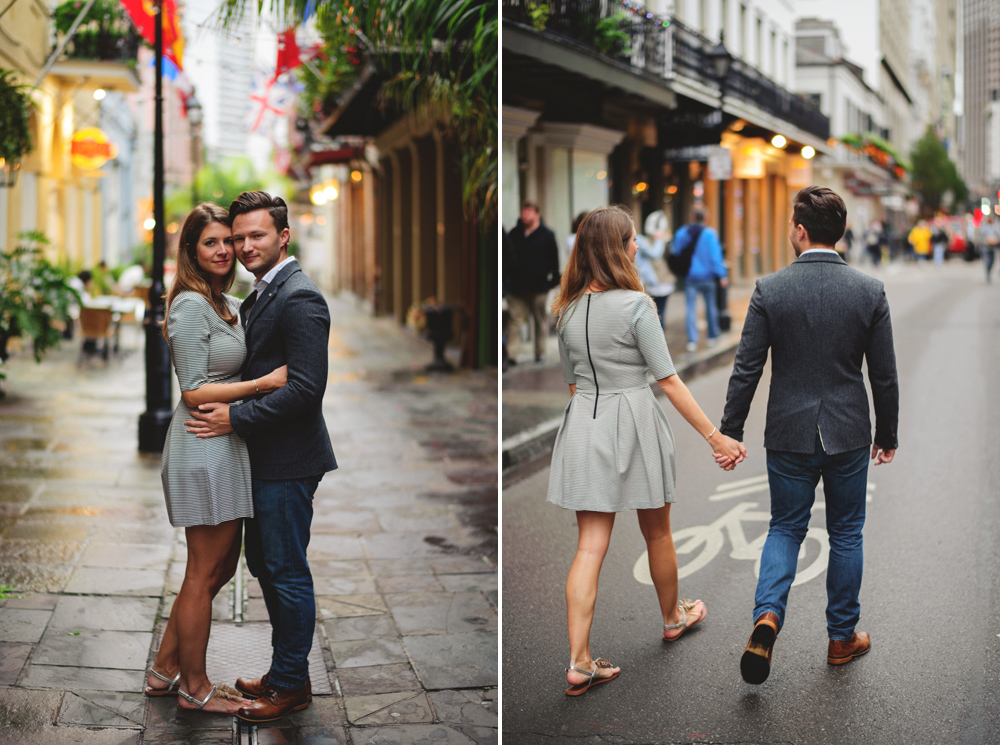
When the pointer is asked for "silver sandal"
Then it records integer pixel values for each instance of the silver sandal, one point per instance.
(170, 690)
(685, 606)
(580, 689)
(224, 692)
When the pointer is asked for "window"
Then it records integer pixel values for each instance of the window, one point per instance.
(760, 43)
(743, 32)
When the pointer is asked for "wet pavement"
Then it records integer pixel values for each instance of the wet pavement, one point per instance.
(404, 556)
(535, 395)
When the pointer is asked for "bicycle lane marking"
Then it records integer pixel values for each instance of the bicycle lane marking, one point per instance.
(712, 536)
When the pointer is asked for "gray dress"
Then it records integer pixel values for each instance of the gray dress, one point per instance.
(614, 450)
(205, 481)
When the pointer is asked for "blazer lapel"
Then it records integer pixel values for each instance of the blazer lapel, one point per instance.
(270, 292)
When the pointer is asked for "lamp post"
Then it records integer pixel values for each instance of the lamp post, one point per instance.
(722, 61)
(195, 117)
(153, 423)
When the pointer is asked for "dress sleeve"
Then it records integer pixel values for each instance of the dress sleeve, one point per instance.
(188, 334)
(648, 333)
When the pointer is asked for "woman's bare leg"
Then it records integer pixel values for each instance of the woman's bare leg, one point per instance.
(655, 527)
(581, 590)
(213, 555)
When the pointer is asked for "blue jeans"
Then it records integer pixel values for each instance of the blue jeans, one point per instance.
(275, 543)
(793, 478)
(707, 289)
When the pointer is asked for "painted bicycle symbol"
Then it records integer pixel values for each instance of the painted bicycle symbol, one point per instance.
(698, 545)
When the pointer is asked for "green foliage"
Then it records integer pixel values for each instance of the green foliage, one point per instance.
(339, 62)
(34, 295)
(104, 15)
(219, 183)
(6, 590)
(934, 174)
(610, 36)
(15, 127)
(538, 13)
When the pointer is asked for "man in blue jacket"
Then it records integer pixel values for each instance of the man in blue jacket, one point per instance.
(286, 322)
(707, 265)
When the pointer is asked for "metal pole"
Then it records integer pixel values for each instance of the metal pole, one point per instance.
(154, 421)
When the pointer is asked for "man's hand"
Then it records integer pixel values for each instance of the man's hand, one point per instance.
(882, 456)
(728, 463)
(210, 420)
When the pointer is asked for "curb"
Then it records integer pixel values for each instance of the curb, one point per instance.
(536, 442)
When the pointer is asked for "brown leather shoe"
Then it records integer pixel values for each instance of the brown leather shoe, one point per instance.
(252, 687)
(276, 702)
(838, 653)
(755, 665)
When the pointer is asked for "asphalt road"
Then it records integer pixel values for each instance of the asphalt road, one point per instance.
(930, 598)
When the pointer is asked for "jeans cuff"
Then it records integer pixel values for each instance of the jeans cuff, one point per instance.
(286, 683)
(839, 638)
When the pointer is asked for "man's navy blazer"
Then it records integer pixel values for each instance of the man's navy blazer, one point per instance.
(284, 430)
(821, 319)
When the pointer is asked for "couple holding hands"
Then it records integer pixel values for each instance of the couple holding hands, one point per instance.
(246, 449)
(820, 319)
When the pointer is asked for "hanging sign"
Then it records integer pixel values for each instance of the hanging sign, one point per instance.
(720, 163)
(90, 149)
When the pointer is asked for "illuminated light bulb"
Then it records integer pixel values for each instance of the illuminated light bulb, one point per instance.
(808, 152)
(99, 94)
(779, 141)
(149, 224)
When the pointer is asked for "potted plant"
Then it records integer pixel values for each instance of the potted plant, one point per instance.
(15, 127)
(34, 297)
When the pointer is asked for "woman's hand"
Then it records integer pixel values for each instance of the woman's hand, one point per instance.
(273, 380)
(727, 451)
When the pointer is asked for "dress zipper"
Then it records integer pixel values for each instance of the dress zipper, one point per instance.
(586, 335)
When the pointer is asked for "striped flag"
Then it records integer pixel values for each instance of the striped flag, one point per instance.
(142, 13)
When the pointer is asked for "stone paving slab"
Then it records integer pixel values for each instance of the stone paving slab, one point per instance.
(120, 650)
(103, 709)
(12, 659)
(360, 627)
(408, 707)
(366, 652)
(363, 681)
(18, 625)
(113, 581)
(454, 660)
(416, 734)
(109, 613)
(82, 678)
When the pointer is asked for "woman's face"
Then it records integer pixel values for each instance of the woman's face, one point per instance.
(631, 247)
(215, 252)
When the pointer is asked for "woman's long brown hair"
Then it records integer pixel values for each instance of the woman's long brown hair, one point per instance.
(599, 257)
(190, 276)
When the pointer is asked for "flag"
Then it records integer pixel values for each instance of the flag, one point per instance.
(142, 13)
(269, 100)
(289, 56)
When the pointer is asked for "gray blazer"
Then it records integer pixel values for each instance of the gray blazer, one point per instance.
(820, 318)
(285, 431)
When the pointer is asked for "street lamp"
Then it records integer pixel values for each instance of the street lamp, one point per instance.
(153, 422)
(721, 60)
(195, 117)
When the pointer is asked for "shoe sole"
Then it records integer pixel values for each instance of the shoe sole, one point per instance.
(845, 660)
(300, 707)
(754, 665)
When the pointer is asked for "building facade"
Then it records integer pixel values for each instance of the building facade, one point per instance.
(980, 124)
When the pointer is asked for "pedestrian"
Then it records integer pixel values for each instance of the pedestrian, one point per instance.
(287, 322)
(920, 238)
(206, 482)
(988, 240)
(570, 240)
(707, 267)
(939, 242)
(614, 450)
(873, 242)
(848, 242)
(533, 272)
(820, 319)
(654, 273)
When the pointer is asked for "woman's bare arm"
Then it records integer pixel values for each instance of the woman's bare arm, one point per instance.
(226, 393)
(682, 400)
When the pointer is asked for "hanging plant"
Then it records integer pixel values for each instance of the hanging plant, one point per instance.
(15, 129)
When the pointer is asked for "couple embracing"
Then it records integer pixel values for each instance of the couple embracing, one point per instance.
(614, 452)
(245, 451)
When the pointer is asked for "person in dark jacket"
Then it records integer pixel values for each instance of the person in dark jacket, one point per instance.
(820, 320)
(534, 270)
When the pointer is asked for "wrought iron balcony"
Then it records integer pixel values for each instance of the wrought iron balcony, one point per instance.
(104, 45)
(660, 47)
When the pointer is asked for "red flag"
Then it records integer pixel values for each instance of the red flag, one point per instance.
(289, 56)
(142, 13)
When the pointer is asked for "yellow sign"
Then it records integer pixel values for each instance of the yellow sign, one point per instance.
(90, 149)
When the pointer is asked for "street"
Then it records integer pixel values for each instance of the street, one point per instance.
(931, 592)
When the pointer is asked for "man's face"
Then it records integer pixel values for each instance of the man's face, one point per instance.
(794, 236)
(259, 245)
(529, 217)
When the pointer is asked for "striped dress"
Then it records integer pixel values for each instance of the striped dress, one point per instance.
(205, 481)
(614, 450)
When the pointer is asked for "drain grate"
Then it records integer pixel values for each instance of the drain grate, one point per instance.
(239, 651)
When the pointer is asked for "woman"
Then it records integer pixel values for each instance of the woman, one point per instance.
(206, 482)
(614, 450)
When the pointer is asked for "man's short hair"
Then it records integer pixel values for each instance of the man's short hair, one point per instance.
(822, 213)
(251, 201)
(531, 206)
(699, 214)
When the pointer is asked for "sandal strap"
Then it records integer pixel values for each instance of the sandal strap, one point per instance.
(196, 702)
(165, 679)
(591, 674)
(684, 620)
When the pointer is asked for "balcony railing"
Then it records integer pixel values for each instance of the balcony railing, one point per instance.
(656, 46)
(105, 45)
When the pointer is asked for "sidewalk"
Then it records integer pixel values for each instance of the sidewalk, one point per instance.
(403, 553)
(535, 395)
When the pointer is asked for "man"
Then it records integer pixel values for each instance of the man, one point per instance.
(707, 267)
(533, 271)
(286, 322)
(820, 318)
